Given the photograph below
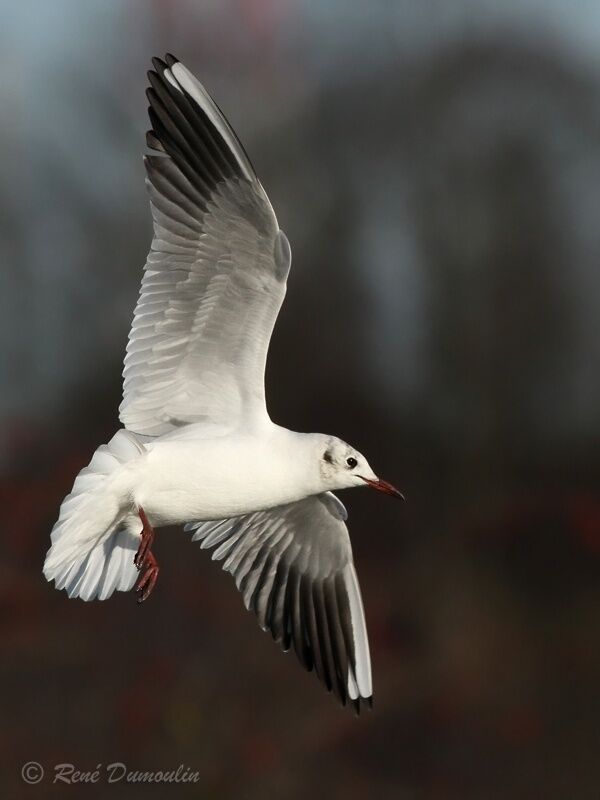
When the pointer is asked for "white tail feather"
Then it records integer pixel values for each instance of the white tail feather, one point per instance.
(94, 541)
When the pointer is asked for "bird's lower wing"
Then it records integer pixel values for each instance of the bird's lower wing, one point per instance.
(215, 276)
(293, 565)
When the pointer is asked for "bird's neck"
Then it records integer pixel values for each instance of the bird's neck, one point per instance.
(297, 459)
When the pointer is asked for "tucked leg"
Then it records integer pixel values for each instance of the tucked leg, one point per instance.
(145, 561)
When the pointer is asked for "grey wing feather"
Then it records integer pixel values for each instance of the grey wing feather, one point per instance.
(215, 277)
(293, 565)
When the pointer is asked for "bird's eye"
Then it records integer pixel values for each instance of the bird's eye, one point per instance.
(352, 462)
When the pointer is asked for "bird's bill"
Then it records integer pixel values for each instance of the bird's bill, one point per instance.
(384, 486)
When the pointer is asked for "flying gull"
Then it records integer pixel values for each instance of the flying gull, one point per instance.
(198, 446)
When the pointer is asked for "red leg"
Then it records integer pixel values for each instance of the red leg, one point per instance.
(145, 560)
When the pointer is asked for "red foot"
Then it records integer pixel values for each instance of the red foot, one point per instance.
(145, 560)
(147, 581)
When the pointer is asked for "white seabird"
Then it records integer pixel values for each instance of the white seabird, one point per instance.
(198, 446)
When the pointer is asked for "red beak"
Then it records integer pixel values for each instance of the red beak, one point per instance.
(385, 487)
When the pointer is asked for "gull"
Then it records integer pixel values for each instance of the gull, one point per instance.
(197, 446)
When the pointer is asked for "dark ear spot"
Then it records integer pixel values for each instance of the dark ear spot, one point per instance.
(327, 457)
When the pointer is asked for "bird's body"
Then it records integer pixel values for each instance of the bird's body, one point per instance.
(196, 478)
(198, 446)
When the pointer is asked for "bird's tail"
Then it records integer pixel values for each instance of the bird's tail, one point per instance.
(93, 542)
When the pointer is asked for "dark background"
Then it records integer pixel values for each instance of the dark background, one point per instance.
(436, 167)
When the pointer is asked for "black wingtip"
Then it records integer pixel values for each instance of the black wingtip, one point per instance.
(159, 65)
(153, 142)
(359, 703)
(170, 59)
(154, 79)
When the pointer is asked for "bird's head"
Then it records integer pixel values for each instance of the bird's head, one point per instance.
(343, 467)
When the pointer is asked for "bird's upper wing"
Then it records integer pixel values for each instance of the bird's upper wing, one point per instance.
(215, 277)
(293, 565)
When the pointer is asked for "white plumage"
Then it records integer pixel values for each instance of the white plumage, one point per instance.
(198, 445)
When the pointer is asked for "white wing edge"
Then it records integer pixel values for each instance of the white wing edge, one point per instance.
(360, 683)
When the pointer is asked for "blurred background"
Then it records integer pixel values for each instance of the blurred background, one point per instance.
(436, 167)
